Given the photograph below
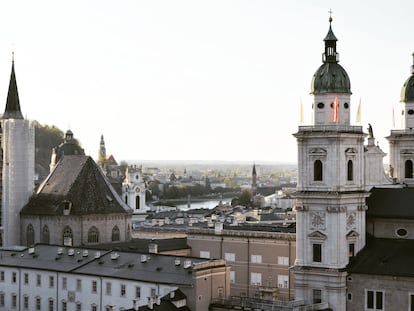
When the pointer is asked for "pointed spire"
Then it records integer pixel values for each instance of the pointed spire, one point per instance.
(12, 110)
(254, 169)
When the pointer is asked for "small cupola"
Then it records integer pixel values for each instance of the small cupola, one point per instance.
(330, 54)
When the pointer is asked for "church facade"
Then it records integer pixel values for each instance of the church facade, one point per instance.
(355, 228)
(75, 205)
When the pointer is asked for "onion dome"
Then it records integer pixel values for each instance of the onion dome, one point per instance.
(407, 91)
(330, 77)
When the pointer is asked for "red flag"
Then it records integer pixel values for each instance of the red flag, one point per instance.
(335, 113)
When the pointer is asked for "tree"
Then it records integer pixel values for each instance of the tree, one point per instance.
(245, 198)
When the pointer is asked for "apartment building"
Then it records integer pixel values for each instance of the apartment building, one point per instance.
(259, 257)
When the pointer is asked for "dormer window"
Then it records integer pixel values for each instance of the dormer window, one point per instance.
(67, 206)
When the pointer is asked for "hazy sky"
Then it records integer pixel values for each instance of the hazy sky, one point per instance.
(199, 80)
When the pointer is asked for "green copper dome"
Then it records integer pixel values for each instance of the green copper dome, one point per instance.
(330, 77)
(407, 91)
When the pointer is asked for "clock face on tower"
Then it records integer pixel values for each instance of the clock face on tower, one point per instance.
(317, 220)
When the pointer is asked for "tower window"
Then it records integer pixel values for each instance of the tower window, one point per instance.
(321, 105)
(350, 173)
(351, 250)
(346, 105)
(410, 112)
(317, 170)
(408, 169)
(317, 296)
(317, 252)
(137, 202)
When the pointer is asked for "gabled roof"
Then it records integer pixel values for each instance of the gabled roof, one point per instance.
(391, 203)
(77, 180)
(385, 257)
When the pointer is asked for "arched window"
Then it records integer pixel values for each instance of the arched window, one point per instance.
(350, 171)
(93, 235)
(317, 170)
(30, 238)
(67, 236)
(45, 235)
(126, 199)
(137, 203)
(408, 169)
(115, 234)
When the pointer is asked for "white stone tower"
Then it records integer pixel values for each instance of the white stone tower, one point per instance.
(330, 197)
(17, 144)
(402, 141)
(133, 190)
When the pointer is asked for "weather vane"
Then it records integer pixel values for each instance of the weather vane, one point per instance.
(330, 15)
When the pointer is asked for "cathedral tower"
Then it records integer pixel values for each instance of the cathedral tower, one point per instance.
(402, 141)
(17, 145)
(330, 197)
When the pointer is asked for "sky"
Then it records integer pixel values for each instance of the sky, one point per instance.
(199, 80)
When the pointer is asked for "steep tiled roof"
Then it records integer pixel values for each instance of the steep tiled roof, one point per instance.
(76, 179)
(391, 203)
(385, 257)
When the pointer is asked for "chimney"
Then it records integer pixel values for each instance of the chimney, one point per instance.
(150, 303)
(157, 300)
(153, 248)
(135, 305)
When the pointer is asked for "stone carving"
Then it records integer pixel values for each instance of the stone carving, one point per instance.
(351, 221)
(318, 220)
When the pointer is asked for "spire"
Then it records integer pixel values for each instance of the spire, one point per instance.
(330, 55)
(12, 110)
(254, 180)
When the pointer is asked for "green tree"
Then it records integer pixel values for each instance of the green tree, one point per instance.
(245, 198)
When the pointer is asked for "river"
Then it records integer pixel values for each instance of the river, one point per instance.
(204, 204)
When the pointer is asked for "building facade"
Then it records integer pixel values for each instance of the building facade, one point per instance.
(63, 278)
(259, 260)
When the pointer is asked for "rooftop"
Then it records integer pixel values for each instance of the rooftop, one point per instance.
(106, 263)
